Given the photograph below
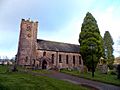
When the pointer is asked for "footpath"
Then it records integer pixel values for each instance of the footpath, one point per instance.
(82, 81)
(95, 85)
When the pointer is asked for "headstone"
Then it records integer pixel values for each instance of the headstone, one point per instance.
(75, 68)
(83, 69)
(14, 69)
(104, 69)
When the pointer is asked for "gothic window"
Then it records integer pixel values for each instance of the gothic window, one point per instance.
(74, 60)
(66, 59)
(26, 59)
(33, 62)
(60, 61)
(79, 59)
(44, 53)
(52, 58)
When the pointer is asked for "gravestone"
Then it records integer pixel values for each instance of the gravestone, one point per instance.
(83, 69)
(104, 69)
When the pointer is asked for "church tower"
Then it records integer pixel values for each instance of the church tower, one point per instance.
(26, 55)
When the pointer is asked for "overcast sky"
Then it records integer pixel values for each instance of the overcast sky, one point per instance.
(59, 20)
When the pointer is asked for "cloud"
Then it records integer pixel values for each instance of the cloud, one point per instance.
(68, 34)
(108, 20)
(59, 20)
(9, 54)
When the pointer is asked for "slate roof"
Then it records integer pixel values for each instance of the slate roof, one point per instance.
(57, 46)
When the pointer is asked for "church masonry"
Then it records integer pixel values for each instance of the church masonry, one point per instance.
(45, 54)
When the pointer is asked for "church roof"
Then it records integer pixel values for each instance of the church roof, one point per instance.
(57, 46)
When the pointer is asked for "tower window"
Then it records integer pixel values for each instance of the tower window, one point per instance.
(26, 59)
(28, 27)
(60, 61)
(52, 58)
(33, 62)
(66, 59)
(74, 60)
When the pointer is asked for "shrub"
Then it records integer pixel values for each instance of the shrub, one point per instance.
(118, 71)
(113, 73)
(110, 66)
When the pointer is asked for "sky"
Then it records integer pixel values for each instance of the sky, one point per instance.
(59, 20)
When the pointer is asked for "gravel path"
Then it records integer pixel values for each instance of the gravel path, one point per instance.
(82, 81)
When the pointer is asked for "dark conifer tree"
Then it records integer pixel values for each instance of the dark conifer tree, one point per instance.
(108, 48)
(90, 34)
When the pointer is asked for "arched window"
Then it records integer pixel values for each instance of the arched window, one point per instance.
(66, 59)
(26, 59)
(74, 60)
(79, 59)
(52, 58)
(60, 61)
(33, 62)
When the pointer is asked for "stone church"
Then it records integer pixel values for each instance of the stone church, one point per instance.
(45, 54)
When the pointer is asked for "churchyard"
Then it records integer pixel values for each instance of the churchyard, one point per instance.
(92, 60)
(23, 81)
(109, 78)
(28, 81)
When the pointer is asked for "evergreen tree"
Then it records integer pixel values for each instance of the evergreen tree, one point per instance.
(90, 34)
(108, 48)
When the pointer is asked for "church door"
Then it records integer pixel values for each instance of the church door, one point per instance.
(44, 64)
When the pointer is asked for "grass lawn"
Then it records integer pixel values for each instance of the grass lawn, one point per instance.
(32, 70)
(106, 78)
(22, 81)
(41, 71)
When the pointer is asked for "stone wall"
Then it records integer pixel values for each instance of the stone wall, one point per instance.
(27, 42)
(63, 63)
(30, 56)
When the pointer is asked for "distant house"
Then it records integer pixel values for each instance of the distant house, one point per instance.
(6, 62)
(0, 62)
(10, 62)
(117, 61)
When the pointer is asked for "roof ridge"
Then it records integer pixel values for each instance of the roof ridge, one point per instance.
(56, 42)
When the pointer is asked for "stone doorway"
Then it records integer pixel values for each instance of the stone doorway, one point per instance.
(44, 64)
